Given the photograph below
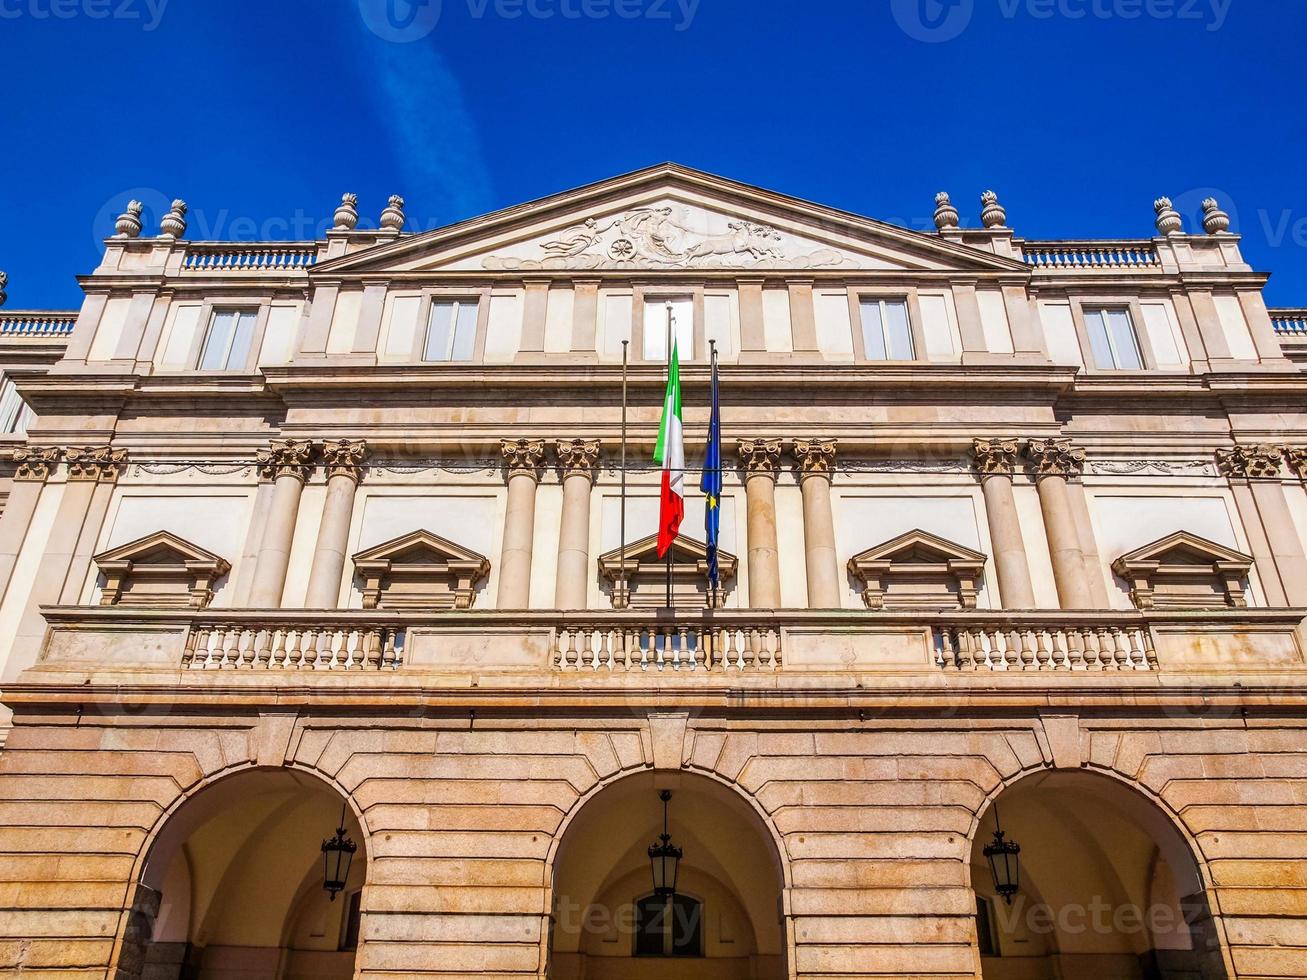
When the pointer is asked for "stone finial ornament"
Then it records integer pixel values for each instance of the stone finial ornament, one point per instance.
(946, 215)
(1055, 457)
(1168, 220)
(285, 457)
(991, 456)
(1215, 221)
(346, 217)
(761, 456)
(344, 457)
(1249, 462)
(523, 454)
(992, 214)
(173, 224)
(392, 219)
(99, 463)
(815, 456)
(577, 455)
(128, 224)
(4, 281)
(36, 462)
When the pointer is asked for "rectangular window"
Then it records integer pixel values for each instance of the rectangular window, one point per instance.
(227, 347)
(985, 937)
(15, 416)
(886, 335)
(451, 330)
(1112, 339)
(655, 327)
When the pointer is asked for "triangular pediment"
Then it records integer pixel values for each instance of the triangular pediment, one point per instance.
(421, 547)
(685, 551)
(918, 547)
(161, 548)
(667, 218)
(1183, 548)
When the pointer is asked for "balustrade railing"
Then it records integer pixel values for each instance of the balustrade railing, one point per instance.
(1290, 323)
(255, 257)
(1069, 256)
(292, 646)
(36, 323)
(691, 644)
(1005, 646)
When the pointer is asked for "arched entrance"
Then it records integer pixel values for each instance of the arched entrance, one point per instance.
(725, 920)
(1108, 887)
(233, 886)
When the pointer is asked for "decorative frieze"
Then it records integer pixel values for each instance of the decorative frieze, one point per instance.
(577, 456)
(97, 463)
(523, 455)
(995, 456)
(761, 456)
(36, 462)
(344, 457)
(815, 456)
(1054, 457)
(285, 457)
(1258, 462)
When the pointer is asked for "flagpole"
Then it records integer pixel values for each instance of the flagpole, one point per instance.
(621, 561)
(671, 546)
(712, 369)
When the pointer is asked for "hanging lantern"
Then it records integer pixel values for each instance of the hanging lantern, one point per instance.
(664, 857)
(337, 855)
(1004, 858)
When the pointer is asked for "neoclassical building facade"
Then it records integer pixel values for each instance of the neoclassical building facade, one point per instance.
(307, 543)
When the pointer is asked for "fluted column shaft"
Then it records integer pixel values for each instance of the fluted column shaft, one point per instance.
(34, 467)
(343, 459)
(287, 465)
(994, 459)
(817, 461)
(524, 458)
(761, 458)
(1054, 461)
(578, 459)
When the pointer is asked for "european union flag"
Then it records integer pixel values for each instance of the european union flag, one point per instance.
(711, 484)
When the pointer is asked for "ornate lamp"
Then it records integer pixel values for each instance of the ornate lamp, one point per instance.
(337, 855)
(1004, 862)
(664, 856)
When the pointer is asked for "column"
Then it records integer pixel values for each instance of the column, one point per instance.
(761, 458)
(1054, 462)
(994, 460)
(816, 459)
(91, 475)
(286, 464)
(1259, 467)
(34, 466)
(523, 458)
(578, 459)
(343, 459)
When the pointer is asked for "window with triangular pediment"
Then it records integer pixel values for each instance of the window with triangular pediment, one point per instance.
(420, 570)
(637, 577)
(1185, 571)
(918, 570)
(160, 569)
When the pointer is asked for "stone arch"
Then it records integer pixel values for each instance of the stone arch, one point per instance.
(195, 851)
(1112, 882)
(722, 829)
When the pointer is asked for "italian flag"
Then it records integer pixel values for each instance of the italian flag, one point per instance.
(670, 453)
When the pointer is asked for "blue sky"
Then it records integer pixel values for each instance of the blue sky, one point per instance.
(260, 113)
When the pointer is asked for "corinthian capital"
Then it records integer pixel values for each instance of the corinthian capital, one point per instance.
(100, 463)
(1297, 458)
(285, 457)
(1055, 457)
(35, 462)
(995, 455)
(761, 456)
(344, 457)
(523, 455)
(815, 456)
(578, 455)
(1249, 462)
